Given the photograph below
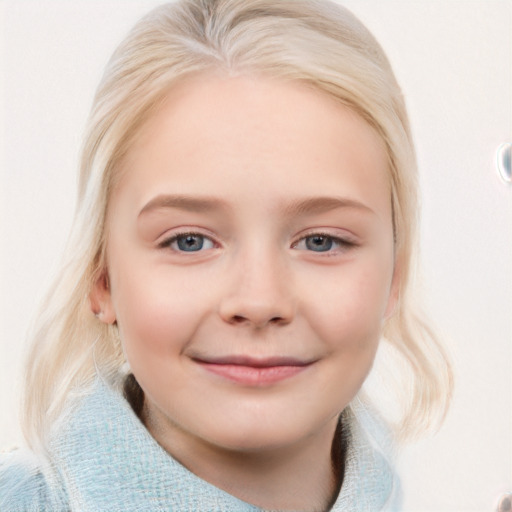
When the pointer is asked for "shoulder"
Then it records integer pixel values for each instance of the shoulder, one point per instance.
(23, 487)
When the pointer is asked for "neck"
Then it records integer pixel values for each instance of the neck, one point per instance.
(304, 476)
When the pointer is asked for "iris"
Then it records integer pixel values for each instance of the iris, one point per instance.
(319, 243)
(190, 243)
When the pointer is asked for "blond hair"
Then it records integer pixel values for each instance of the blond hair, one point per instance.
(316, 42)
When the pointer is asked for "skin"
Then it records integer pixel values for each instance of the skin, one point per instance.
(288, 193)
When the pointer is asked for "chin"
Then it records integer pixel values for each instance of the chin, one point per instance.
(263, 432)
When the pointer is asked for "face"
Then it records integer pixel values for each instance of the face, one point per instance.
(250, 261)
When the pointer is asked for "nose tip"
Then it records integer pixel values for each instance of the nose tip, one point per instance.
(258, 300)
(241, 309)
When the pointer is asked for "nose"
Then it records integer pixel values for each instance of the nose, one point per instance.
(260, 293)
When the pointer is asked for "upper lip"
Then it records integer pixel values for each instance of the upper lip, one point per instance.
(254, 362)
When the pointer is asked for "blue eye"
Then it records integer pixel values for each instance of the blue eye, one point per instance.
(188, 242)
(318, 242)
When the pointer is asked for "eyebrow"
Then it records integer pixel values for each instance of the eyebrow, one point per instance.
(184, 202)
(205, 204)
(324, 204)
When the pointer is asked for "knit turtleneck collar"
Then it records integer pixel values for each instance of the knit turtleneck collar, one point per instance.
(104, 459)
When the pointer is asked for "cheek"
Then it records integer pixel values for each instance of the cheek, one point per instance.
(347, 318)
(157, 312)
(347, 311)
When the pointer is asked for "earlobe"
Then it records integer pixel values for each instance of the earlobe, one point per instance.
(101, 299)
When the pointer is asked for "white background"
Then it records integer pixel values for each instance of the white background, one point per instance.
(453, 59)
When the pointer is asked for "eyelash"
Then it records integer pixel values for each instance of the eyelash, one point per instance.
(342, 244)
(168, 242)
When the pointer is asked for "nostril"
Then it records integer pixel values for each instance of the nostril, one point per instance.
(240, 319)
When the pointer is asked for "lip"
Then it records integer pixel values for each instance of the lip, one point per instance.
(256, 372)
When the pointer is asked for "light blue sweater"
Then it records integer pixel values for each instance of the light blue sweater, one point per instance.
(104, 459)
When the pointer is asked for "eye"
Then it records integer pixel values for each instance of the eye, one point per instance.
(319, 242)
(188, 242)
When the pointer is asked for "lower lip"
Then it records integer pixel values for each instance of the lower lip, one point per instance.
(251, 375)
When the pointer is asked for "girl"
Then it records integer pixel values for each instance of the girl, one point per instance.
(243, 240)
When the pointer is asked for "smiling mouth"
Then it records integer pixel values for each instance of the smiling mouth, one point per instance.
(254, 372)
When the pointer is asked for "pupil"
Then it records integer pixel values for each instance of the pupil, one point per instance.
(190, 243)
(319, 243)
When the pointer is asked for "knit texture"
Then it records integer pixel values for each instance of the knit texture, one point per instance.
(102, 458)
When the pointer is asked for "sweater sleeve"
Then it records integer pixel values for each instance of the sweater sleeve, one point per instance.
(23, 487)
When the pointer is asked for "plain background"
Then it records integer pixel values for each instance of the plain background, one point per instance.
(453, 59)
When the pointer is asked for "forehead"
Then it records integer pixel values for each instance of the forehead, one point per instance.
(241, 136)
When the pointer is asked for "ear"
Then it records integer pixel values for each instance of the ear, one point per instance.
(394, 291)
(101, 299)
